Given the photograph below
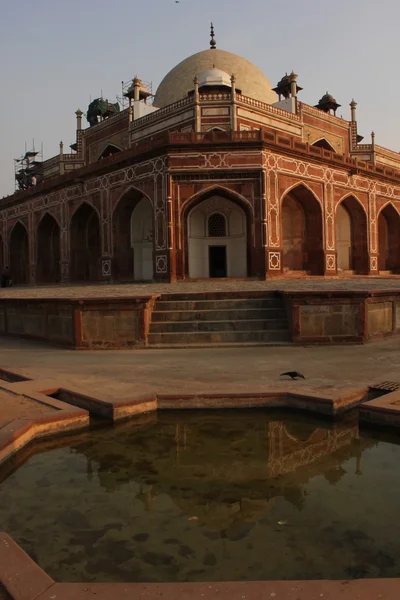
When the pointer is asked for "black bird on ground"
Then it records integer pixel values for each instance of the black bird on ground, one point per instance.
(293, 375)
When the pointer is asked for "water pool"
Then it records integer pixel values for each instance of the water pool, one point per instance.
(209, 496)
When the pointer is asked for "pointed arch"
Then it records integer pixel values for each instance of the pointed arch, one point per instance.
(350, 195)
(132, 233)
(388, 220)
(227, 255)
(130, 192)
(48, 250)
(19, 254)
(217, 190)
(301, 185)
(85, 243)
(108, 150)
(84, 203)
(302, 230)
(387, 204)
(324, 144)
(352, 247)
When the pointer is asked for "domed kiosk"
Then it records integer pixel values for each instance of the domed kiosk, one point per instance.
(248, 78)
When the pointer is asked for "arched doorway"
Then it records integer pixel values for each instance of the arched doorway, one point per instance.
(48, 250)
(302, 232)
(217, 239)
(19, 254)
(133, 238)
(85, 244)
(389, 239)
(351, 236)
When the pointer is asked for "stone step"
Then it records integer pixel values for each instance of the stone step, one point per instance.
(235, 295)
(217, 345)
(219, 337)
(219, 315)
(238, 325)
(227, 303)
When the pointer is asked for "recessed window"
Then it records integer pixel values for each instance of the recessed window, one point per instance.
(217, 225)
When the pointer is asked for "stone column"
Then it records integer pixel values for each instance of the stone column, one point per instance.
(105, 270)
(32, 248)
(273, 248)
(171, 230)
(197, 125)
(64, 245)
(233, 104)
(353, 107)
(79, 114)
(330, 251)
(61, 158)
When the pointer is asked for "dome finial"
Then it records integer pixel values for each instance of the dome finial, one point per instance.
(213, 43)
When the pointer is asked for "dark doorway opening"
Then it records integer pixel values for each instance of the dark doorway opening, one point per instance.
(217, 261)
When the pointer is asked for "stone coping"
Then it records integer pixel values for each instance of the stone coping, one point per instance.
(136, 299)
(25, 580)
(339, 293)
(140, 298)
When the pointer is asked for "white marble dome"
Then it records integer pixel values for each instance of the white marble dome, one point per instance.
(249, 79)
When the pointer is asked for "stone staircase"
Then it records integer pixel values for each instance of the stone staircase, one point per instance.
(182, 320)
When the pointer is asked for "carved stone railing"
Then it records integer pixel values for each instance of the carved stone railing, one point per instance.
(193, 137)
(311, 110)
(267, 107)
(215, 97)
(161, 112)
(123, 114)
(363, 148)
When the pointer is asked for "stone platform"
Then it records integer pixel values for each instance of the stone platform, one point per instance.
(205, 313)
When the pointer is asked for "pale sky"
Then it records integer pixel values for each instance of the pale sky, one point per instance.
(55, 55)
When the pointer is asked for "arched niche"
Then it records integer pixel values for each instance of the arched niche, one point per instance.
(19, 254)
(142, 240)
(48, 250)
(389, 239)
(109, 150)
(351, 232)
(302, 232)
(343, 239)
(324, 144)
(85, 244)
(133, 237)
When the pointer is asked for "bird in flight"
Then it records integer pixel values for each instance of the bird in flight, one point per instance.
(293, 375)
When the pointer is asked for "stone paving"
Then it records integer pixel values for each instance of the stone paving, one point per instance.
(221, 285)
(116, 374)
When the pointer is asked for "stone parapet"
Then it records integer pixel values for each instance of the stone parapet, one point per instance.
(342, 317)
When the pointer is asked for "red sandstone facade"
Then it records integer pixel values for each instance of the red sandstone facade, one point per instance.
(284, 175)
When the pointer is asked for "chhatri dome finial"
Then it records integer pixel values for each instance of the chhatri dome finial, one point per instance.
(213, 43)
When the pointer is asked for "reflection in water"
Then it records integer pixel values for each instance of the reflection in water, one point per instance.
(193, 496)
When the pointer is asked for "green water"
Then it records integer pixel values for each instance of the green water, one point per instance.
(200, 496)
